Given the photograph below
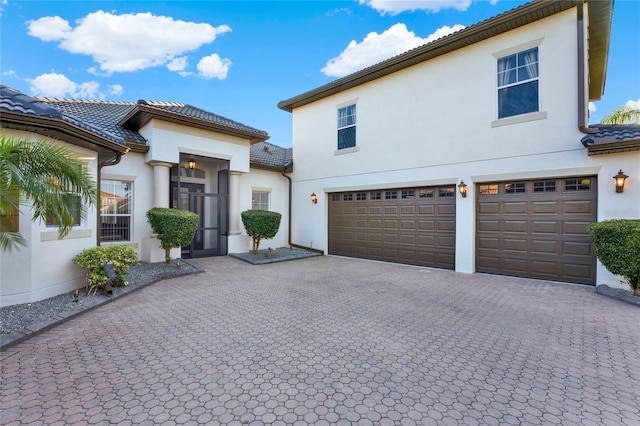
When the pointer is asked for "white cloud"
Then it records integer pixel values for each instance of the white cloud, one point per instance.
(128, 42)
(592, 107)
(376, 47)
(60, 86)
(394, 7)
(633, 104)
(213, 67)
(50, 28)
(178, 64)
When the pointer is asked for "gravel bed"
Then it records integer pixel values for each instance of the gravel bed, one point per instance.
(270, 255)
(17, 317)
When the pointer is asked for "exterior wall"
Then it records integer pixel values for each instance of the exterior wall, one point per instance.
(44, 268)
(278, 186)
(168, 140)
(436, 123)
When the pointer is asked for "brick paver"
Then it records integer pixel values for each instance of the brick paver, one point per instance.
(334, 341)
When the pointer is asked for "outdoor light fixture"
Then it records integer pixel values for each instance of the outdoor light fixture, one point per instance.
(463, 189)
(314, 198)
(619, 179)
(192, 163)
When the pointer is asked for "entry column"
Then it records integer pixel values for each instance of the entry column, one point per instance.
(234, 203)
(161, 183)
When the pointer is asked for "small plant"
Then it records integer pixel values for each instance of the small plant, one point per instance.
(120, 256)
(174, 228)
(617, 246)
(260, 225)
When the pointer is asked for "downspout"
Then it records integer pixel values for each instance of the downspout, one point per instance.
(583, 106)
(99, 179)
(290, 209)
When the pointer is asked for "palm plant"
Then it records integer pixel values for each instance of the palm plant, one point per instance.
(622, 115)
(48, 178)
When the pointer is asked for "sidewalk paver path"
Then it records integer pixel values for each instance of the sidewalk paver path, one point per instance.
(330, 340)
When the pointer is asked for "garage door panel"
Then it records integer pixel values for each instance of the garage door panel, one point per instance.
(417, 226)
(513, 244)
(429, 210)
(578, 206)
(545, 207)
(577, 248)
(446, 225)
(515, 226)
(544, 247)
(545, 227)
(515, 207)
(539, 231)
(574, 228)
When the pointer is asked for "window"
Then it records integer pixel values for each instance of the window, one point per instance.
(514, 188)
(488, 189)
(73, 201)
(9, 221)
(544, 186)
(347, 127)
(446, 192)
(425, 193)
(577, 184)
(375, 196)
(335, 197)
(410, 193)
(518, 83)
(361, 196)
(347, 197)
(116, 201)
(260, 200)
(390, 195)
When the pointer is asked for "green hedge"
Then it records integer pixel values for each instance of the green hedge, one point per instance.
(260, 225)
(95, 259)
(174, 228)
(617, 246)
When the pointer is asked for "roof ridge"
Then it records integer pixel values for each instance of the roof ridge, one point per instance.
(82, 101)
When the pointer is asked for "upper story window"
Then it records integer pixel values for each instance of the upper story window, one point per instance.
(518, 83)
(347, 127)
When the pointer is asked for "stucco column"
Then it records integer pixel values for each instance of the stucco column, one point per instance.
(234, 203)
(161, 183)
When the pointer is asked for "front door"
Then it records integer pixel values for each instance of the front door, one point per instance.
(211, 234)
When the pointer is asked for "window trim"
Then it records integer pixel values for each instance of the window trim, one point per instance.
(340, 107)
(263, 191)
(127, 180)
(525, 117)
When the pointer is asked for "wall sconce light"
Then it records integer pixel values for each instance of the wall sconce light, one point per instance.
(619, 179)
(192, 163)
(463, 189)
(314, 198)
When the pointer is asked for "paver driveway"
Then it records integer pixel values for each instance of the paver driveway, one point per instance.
(333, 340)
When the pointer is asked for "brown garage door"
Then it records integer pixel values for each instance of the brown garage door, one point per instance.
(407, 225)
(537, 229)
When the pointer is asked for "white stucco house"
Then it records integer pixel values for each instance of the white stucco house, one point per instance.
(471, 153)
(499, 111)
(144, 154)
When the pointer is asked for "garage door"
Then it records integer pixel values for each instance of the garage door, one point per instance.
(407, 225)
(537, 229)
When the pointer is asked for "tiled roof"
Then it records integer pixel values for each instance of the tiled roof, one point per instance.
(270, 155)
(193, 112)
(102, 114)
(14, 101)
(612, 138)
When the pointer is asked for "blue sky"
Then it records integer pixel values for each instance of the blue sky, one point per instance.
(240, 58)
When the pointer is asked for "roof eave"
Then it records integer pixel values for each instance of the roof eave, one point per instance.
(140, 115)
(600, 18)
(59, 129)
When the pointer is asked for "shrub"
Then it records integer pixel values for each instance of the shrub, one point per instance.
(95, 260)
(174, 228)
(617, 246)
(260, 224)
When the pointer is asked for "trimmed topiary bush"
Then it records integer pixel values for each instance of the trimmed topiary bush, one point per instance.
(617, 246)
(174, 228)
(260, 225)
(95, 259)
